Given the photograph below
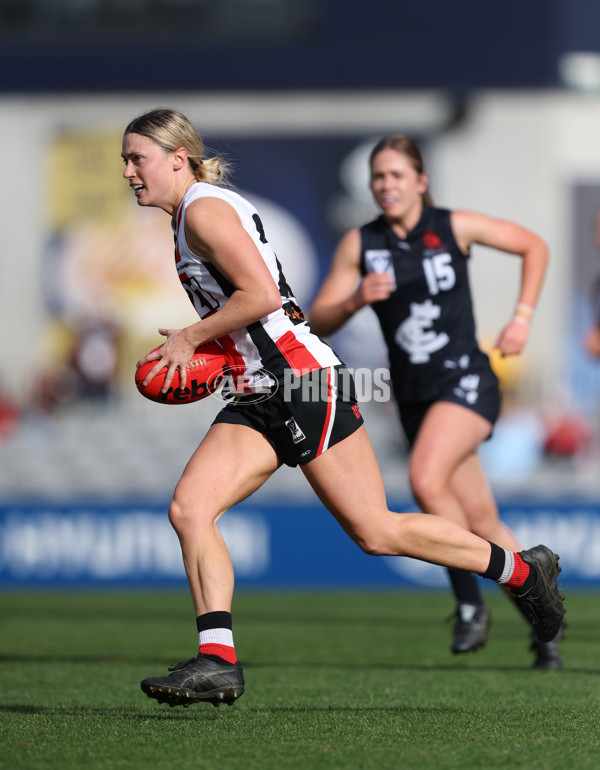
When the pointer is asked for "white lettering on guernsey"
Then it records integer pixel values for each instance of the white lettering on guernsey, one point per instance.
(415, 335)
(439, 273)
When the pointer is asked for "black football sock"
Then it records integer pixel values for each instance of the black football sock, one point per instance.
(465, 586)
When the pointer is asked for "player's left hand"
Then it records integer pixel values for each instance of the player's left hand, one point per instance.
(512, 339)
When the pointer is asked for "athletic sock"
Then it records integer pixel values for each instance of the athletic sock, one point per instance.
(465, 586)
(215, 637)
(508, 568)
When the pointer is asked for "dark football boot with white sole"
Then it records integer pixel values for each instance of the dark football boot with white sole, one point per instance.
(542, 604)
(199, 679)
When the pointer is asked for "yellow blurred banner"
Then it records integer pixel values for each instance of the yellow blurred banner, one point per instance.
(86, 178)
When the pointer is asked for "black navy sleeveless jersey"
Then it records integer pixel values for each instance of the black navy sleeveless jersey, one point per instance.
(427, 322)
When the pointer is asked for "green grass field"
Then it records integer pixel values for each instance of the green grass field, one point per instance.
(346, 680)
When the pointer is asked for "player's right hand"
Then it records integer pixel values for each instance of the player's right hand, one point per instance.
(374, 287)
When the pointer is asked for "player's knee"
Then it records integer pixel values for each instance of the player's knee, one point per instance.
(187, 513)
(426, 485)
(178, 515)
(484, 528)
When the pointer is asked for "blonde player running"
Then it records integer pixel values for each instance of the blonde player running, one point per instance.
(239, 290)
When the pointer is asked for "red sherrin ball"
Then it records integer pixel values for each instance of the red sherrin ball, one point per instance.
(205, 372)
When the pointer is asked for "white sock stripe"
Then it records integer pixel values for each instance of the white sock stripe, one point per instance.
(216, 636)
(509, 567)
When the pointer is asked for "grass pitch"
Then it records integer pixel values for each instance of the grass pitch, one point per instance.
(348, 680)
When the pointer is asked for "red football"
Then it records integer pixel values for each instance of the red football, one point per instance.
(205, 372)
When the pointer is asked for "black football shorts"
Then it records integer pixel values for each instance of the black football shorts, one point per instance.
(475, 390)
(305, 415)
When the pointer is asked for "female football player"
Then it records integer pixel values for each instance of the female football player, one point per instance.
(235, 282)
(410, 265)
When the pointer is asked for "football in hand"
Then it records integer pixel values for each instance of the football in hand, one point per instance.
(204, 374)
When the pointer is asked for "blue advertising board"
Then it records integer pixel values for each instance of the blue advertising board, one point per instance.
(276, 544)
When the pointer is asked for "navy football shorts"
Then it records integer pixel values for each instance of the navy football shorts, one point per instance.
(304, 417)
(477, 391)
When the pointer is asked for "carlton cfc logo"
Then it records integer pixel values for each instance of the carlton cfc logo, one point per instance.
(431, 240)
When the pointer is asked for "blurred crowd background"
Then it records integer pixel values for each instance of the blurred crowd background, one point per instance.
(504, 99)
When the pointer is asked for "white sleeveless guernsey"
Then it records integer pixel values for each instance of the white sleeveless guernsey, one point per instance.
(278, 342)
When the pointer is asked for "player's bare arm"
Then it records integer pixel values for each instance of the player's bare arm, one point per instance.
(215, 233)
(471, 227)
(343, 292)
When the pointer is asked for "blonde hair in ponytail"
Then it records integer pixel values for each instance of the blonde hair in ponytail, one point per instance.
(170, 130)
